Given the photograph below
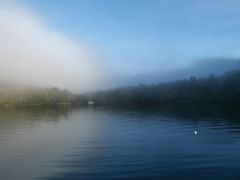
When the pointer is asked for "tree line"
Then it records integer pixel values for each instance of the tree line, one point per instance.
(211, 89)
(35, 96)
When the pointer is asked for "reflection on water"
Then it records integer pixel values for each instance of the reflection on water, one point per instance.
(120, 143)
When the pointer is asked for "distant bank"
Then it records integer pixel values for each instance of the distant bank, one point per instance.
(224, 89)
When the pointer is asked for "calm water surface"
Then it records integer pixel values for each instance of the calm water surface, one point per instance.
(119, 143)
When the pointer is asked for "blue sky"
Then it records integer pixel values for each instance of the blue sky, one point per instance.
(146, 35)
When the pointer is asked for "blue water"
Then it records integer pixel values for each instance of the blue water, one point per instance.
(119, 143)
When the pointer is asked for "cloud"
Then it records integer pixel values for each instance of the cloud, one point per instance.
(33, 53)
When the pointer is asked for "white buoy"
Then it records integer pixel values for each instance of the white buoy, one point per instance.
(91, 102)
(195, 132)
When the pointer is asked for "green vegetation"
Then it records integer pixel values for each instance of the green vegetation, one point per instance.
(34, 96)
(224, 89)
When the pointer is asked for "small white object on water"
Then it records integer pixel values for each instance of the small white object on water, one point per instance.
(90, 102)
(195, 132)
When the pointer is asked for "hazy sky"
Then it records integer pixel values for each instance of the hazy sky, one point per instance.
(149, 34)
(95, 39)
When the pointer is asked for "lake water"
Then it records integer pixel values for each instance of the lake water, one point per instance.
(119, 143)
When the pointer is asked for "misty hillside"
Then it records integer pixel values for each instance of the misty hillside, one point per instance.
(217, 66)
(211, 89)
(11, 95)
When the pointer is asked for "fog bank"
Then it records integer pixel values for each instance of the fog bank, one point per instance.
(33, 53)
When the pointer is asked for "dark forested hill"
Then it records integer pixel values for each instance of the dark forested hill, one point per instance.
(213, 89)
